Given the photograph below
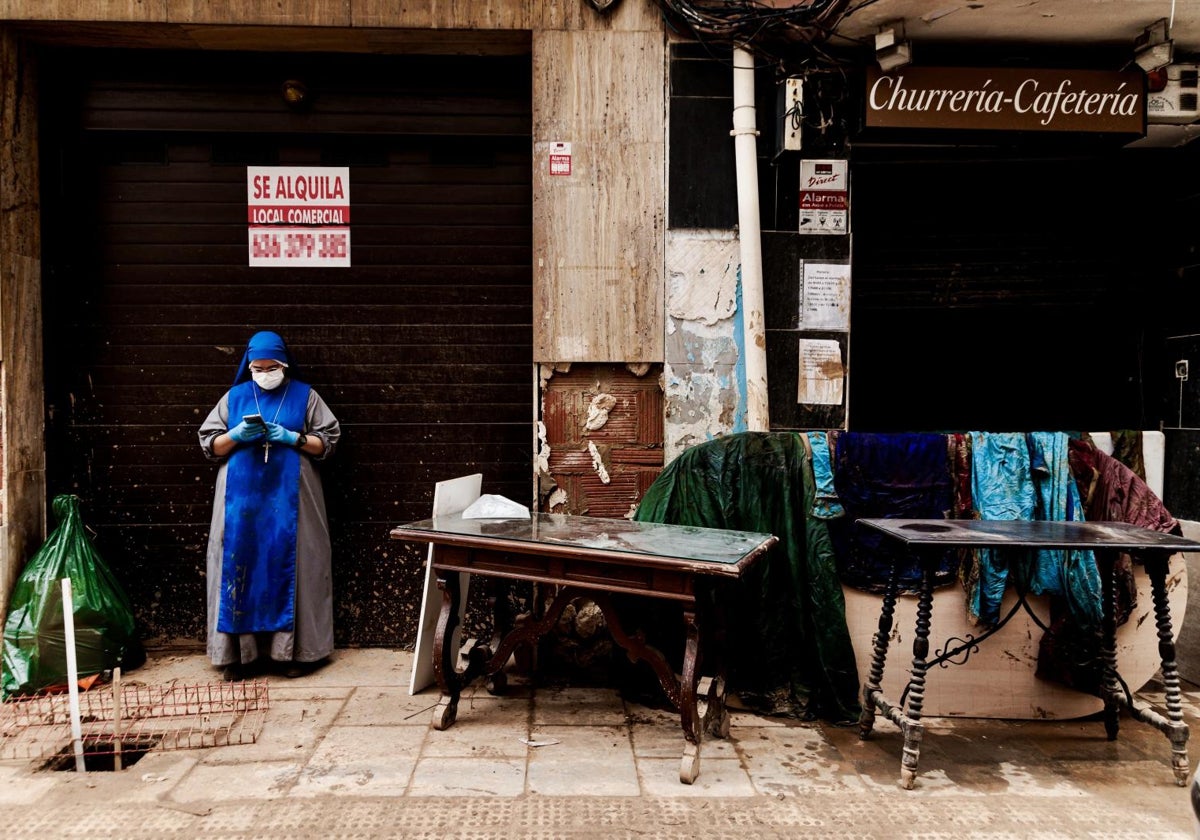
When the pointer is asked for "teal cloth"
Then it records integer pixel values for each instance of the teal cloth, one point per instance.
(826, 504)
(1073, 574)
(787, 618)
(1026, 476)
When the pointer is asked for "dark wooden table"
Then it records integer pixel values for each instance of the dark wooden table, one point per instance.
(926, 540)
(593, 558)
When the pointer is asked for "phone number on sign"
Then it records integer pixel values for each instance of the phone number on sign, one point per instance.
(300, 247)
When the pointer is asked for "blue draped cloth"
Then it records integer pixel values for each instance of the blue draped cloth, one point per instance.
(898, 476)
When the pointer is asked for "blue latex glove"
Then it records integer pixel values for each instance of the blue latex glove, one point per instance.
(278, 434)
(245, 432)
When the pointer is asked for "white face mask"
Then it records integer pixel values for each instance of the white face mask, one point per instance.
(268, 380)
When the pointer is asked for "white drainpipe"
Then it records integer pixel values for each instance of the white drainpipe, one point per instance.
(754, 343)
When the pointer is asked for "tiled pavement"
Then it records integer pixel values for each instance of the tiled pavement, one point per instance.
(347, 752)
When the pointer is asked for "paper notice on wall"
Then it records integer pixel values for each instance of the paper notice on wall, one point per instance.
(822, 374)
(824, 296)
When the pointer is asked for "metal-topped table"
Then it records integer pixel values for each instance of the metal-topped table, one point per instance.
(927, 539)
(593, 558)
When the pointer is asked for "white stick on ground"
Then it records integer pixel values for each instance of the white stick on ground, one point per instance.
(72, 673)
(117, 719)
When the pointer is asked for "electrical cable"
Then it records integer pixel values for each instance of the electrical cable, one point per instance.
(751, 23)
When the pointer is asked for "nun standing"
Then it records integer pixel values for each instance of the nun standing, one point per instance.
(270, 593)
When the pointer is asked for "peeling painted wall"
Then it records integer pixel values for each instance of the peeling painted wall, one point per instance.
(600, 437)
(705, 389)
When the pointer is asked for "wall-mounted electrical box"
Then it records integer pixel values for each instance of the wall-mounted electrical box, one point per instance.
(1181, 426)
(1176, 102)
(789, 115)
(1183, 392)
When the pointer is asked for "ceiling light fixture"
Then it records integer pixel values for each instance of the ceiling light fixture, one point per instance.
(1154, 48)
(891, 51)
(294, 93)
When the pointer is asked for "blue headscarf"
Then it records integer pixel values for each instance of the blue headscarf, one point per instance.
(264, 345)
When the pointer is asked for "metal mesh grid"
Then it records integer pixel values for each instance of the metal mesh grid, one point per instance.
(167, 717)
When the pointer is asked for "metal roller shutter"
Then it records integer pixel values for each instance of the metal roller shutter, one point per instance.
(423, 348)
(1002, 292)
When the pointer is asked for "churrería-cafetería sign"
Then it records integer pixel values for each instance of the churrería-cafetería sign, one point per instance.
(1007, 99)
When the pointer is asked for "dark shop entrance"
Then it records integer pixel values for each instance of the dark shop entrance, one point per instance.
(1011, 289)
(422, 347)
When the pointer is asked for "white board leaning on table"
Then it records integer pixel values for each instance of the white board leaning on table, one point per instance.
(450, 496)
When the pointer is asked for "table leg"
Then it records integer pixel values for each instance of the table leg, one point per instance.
(872, 691)
(1110, 687)
(449, 679)
(1115, 694)
(1172, 726)
(911, 724)
(701, 701)
(689, 767)
(482, 659)
(503, 622)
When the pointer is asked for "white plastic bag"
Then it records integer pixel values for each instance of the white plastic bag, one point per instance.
(491, 506)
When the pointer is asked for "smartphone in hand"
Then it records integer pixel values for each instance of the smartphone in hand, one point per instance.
(252, 419)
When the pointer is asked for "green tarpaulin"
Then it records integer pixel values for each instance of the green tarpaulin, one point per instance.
(791, 649)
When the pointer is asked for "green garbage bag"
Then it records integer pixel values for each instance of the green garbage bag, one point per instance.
(35, 651)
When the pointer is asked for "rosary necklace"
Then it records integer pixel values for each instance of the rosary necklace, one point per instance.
(267, 443)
